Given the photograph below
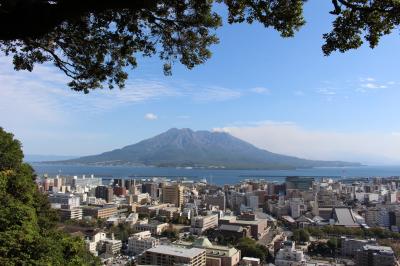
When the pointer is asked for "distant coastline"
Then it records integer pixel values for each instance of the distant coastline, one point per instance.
(227, 176)
(211, 167)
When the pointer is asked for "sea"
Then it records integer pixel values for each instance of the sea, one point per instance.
(216, 176)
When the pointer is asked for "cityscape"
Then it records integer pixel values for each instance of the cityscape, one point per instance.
(302, 221)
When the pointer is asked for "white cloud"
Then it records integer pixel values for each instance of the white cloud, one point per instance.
(373, 86)
(291, 139)
(150, 116)
(260, 90)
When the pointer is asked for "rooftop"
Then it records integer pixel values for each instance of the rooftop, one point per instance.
(177, 251)
(230, 227)
(211, 249)
(345, 217)
(378, 248)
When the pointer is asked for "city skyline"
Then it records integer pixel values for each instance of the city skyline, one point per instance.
(282, 95)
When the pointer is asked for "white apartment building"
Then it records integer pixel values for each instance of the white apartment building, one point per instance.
(297, 207)
(110, 246)
(252, 201)
(92, 240)
(199, 224)
(70, 214)
(141, 242)
(154, 228)
(64, 200)
(289, 256)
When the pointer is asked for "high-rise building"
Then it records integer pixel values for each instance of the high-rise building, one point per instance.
(104, 192)
(119, 182)
(151, 188)
(217, 199)
(173, 194)
(300, 183)
(133, 187)
(120, 191)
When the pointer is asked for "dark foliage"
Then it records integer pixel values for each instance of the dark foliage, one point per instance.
(249, 248)
(94, 41)
(27, 224)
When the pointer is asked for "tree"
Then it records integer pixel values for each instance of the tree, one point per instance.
(301, 235)
(28, 235)
(122, 231)
(333, 243)
(170, 233)
(249, 248)
(94, 41)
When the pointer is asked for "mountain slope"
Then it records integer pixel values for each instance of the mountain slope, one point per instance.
(184, 147)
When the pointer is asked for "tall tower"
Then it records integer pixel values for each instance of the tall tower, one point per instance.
(173, 194)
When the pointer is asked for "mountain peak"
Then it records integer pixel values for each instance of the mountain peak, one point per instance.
(185, 147)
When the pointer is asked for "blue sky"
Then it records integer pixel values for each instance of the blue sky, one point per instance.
(279, 94)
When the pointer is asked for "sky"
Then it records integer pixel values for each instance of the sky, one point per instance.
(279, 94)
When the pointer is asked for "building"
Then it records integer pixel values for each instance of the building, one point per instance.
(64, 200)
(349, 246)
(141, 242)
(216, 200)
(299, 183)
(289, 256)
(109, 246)
(235, 200)
(258, 225)
(377, 216)
(173, 194)
(169, 255)
(141, 198)
(199, 224)
(252, 201)
(249, 261)
(92, 239)
(119, 191)
(151, 189)
(344, 217)
(373, 255)
(153, 210)
(102, 212)
(235, 231)
(86, 181)
(297, 207)
(70, 214)
(104, 192)
(154, 228)
(216, 255)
